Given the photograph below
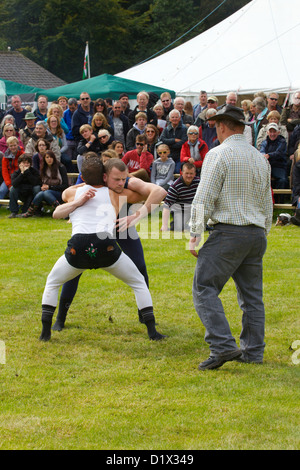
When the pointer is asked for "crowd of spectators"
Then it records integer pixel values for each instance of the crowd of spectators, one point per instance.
(160, 140)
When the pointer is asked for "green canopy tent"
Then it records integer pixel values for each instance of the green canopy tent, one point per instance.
(27, 93)
(103, 86)
(15, 88)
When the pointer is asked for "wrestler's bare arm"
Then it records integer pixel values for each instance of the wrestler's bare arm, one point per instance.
(64, 210)
(69, 193)
(126, 197)
(150, 193)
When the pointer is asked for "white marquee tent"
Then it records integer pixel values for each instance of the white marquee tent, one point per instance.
(255, 49)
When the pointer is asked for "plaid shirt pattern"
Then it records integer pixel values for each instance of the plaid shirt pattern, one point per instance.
(235, 187)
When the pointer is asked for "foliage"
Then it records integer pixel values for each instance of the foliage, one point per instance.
(101, 384)
(121, 33)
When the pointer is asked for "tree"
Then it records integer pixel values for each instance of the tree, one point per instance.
(121, 33)
(53, 33)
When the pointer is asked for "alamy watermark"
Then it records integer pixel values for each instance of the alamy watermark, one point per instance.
(296, 355)
(151, 225)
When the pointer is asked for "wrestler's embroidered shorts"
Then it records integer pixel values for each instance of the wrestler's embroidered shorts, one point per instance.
(89, 251)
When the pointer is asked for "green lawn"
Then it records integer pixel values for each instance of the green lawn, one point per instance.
(101, 384)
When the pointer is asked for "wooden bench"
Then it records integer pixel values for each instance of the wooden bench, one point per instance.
(5, 202)
(275, 191)
(284, 206)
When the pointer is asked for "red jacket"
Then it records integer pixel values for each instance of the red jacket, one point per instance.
(185, 153)
(9, 166)
(134, 162)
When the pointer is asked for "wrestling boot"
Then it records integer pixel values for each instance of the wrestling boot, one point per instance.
(64, 305)
(149, 320)
(295, 219)
(47, 315)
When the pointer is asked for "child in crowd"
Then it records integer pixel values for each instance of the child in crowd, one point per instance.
(162, 172)
(138, 128)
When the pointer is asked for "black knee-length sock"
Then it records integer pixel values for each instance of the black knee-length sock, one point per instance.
(47, 315)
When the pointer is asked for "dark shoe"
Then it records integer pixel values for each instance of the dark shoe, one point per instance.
(13, 215)
(295, 219)
(247, 361)
(213, 362)
(58, 326)
(157, 337)
(32, 210)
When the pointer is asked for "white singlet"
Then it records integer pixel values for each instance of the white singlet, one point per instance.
(96, 215)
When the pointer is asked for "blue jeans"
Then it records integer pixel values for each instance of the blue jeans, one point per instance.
(3, 190)
(280, 178)
(237, 252)
(25, 196)
(67, 161)
(177, 166)
(48, 196)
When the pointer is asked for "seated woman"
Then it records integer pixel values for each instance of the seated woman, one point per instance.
(58, 134)
(8, 131)
(56, 110)
(54, 181)
(7, 119)
(152, 134)
(194, 150)
(99, 122)
(101, 107)
(10, 164)
(161, 120)
(41, 147)
(118, 147)
(105, 139)
(246, 105)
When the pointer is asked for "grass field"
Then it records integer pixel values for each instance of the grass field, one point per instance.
(101, 384)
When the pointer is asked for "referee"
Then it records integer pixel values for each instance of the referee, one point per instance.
(235, 193)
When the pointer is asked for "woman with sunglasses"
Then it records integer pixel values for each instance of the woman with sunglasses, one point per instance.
(8, 131)
(101, 107)
(194, 150)
(105, 139)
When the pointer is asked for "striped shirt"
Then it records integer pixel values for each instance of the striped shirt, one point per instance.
(235, 187)
(181, 193)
